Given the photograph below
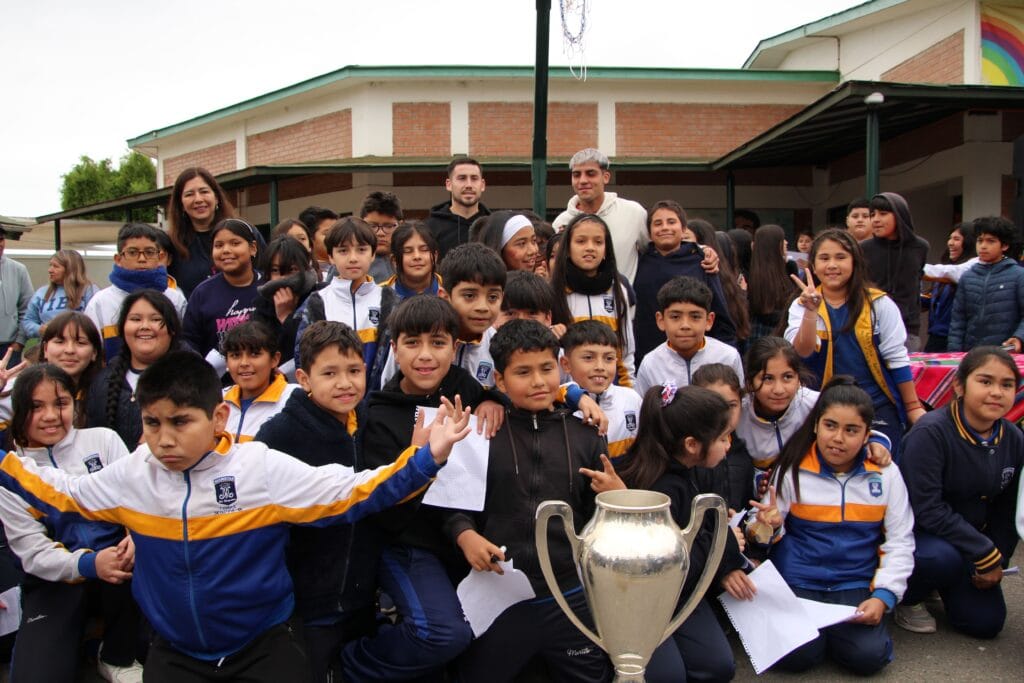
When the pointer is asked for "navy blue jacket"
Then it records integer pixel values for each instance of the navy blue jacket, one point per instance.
(333, 568)
(989, 305)
(654, 271)
(961, 489)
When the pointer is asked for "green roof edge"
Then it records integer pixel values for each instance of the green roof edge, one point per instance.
(484, 71)
(823, 24)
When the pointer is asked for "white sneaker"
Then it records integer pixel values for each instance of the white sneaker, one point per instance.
(915, 618)
(120, 674)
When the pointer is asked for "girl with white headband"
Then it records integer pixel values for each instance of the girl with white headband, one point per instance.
(512, 236)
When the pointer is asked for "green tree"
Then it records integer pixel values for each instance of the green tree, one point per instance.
(91, 182)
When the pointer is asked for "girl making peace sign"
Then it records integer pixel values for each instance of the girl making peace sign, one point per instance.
(845, 327)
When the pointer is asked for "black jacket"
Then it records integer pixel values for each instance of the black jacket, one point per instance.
(653, 272)
(733, 478)
(128, 423)
(450, 229)
(333, 568)
(286, 331)
(533, 458)
(390, 417)
(683, 484)
(895, 266)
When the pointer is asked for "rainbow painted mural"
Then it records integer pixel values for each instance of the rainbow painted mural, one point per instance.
(1002, 45)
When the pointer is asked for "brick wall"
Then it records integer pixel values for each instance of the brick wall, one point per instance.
(691, 131)
(321, 138)
(506, 128)
(421, 129)
(943, 62)
(216, 159)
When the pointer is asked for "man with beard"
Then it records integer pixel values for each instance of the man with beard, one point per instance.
(450, 220)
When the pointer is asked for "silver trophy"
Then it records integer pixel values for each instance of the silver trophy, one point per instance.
(632, 559)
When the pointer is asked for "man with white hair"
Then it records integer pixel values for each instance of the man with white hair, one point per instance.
(626, 219)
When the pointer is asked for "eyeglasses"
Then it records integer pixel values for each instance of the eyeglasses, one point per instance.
(383, 227)
(133, 253)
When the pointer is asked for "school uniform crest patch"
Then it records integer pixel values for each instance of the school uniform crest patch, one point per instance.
(93, 463)
(1007, 477)
(225, 490)
(630, 416)
(609, 304)
(875, 487)
(483, 372)
(374, 315)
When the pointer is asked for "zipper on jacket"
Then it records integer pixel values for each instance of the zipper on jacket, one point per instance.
(49, 452)
(778, 435)
(191, 596)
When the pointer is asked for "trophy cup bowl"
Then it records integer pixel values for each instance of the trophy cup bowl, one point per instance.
(632, 559)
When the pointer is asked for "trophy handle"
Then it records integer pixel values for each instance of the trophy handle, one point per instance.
(702, 504)
(545, 511)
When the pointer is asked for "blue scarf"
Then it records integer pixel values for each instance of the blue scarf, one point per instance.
(133, 280)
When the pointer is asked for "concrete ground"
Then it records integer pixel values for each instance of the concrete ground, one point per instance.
(942, 656)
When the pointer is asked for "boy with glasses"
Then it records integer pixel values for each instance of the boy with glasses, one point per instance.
(137, 265)
(383, 212)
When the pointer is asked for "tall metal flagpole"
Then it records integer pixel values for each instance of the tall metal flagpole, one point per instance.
(538, 165)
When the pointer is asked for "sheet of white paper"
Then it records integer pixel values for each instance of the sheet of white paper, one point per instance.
(462, 483)
(771, 625)
(485, 595)
(10, 617)
(823, 614)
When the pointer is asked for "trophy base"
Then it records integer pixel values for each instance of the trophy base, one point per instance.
(629, 673)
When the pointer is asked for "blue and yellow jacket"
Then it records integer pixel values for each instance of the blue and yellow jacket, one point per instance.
(846, 531)
(365, 312)
(210, 540)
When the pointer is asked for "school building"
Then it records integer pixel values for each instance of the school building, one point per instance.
(920, 97)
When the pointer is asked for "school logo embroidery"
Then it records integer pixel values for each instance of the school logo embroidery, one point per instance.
(631, 420)
(93, 463)
(225, 489)
(875, 487)
(609, 304)
(374, 314)
(483, 372)
(1007, 477)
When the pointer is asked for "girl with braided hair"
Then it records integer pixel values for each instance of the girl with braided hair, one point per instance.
(149, 325)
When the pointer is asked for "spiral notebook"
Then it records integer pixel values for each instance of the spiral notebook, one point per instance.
(776, 621)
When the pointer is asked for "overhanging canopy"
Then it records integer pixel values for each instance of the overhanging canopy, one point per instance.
(834, 126)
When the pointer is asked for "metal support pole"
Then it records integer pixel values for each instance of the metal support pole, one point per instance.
(56, 234)
(539, 163)
(273, 203)
(127, 215)
(730, 200)
(871, 144)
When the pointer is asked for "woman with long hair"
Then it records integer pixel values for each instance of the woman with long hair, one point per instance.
(769, 289)
(197, 203)
(69, 289)
(960, 248)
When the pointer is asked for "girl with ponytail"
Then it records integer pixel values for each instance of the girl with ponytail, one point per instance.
(681, 431)
(843, 529)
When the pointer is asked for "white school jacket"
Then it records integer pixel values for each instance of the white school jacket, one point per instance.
(601, 307)
(664, 364)
(244, 424)
(622, 406)
(81, 452)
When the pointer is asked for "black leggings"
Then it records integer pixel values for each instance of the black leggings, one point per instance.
(53, 617)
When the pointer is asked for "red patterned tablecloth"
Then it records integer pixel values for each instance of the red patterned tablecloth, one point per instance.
(933, 378)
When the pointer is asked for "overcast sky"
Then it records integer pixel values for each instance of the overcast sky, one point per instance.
(82, 77)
